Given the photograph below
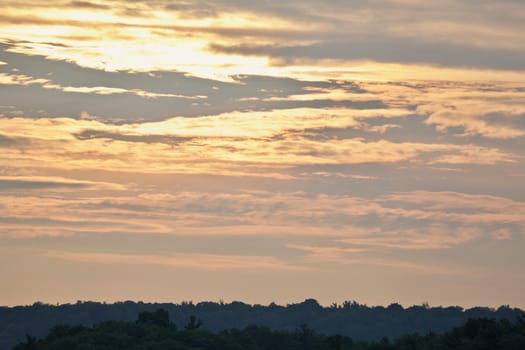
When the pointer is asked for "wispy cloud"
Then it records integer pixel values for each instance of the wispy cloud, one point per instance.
(401, 221)
(18, 79)
(178, 260)
(351, 256)
(215, 143)
(42, 182)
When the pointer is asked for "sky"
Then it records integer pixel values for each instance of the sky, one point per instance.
(263, 151)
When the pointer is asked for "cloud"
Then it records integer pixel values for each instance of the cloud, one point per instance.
(352, 256)
(6, 141)
(198, 261)
(89, 5)
(475, 124)
(239, 143)
(274, 39)
(156, 95)
(417, 220)
(389, 49)
(18, 79)
(340, 175)
(467, 109)
(15, 183)
(192, 10)
(165, 139)
(474, 155)
(41, 182)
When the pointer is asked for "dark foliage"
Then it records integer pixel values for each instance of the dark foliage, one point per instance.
(148, 334)
(193, 324)
(159, 318)
(351, 319)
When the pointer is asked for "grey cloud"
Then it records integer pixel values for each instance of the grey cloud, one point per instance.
(407, 176)
(47, 222)
(96, 134)
(108, 204)
(89, 5)
(263, 105)
(14, 184)
(19, 142)
(7, 141)
(387, 49)
(503, 119)
(193, 10)
(364, 16)
(221, 96)
(378, 21)
(409, 128)
(301, 11)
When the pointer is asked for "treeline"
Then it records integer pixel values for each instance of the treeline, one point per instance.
(154, 331)
(358, 321)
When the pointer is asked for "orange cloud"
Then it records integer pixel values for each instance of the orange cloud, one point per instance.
(218, 144)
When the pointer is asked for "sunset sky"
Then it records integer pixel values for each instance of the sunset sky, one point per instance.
(369, 150)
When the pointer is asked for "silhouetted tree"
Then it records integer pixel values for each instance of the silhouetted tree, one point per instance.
(361, 322)
(159, 318)
(193, 324)
(29, 344)
(147, 334)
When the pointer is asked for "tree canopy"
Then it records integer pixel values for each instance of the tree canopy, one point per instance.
(152, 332)
(352, 319)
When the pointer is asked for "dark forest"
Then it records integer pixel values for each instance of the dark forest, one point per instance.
(350, 319)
